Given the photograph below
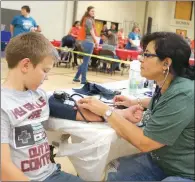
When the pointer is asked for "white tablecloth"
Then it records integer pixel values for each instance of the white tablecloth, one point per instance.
(93, 145)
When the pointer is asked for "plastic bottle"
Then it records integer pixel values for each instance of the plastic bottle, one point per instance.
(134, 76)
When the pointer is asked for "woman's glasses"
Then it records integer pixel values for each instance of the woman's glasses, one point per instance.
(147, 55)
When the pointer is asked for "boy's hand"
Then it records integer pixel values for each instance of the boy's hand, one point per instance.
(9, 172)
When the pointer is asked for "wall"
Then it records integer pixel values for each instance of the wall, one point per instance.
(114, 11)
(140, 13)
(109, 10)
(55, 17)
(162, 13)
(50, 15)
(189, 24)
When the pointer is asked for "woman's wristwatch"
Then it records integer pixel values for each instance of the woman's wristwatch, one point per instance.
(139, 102)
(108, 113)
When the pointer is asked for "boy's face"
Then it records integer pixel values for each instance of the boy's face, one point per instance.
(35, 76)
(24, 12)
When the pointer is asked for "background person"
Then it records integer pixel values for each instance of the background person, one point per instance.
(113, 28)
(133, 36)
(74, 31)
(104, 30)
(88, 37)
(23, 23)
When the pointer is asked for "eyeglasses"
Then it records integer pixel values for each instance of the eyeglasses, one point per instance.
(147, 55)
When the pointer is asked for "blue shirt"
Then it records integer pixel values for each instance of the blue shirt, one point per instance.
(22, 24)
(132, 36)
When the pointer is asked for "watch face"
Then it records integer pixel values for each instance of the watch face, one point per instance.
(108, 113)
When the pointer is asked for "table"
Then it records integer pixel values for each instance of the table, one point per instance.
(123, 54)
(93, 145)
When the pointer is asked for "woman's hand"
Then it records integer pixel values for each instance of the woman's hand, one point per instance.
(93, 105)
(124, 101)
(133, 114)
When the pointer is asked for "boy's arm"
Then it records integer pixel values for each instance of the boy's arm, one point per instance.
(12, 30)
(12, 25)
(9, 172)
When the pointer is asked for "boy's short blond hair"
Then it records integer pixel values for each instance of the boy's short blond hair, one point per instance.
(30, 45)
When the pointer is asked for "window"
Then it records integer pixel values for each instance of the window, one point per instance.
(183, 10)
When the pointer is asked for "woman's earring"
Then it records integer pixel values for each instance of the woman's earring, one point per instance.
(166, 71)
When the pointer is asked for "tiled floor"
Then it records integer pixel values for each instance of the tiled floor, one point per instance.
(61, 78)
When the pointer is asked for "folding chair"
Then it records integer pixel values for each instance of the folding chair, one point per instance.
(65, 58)
(109, 54)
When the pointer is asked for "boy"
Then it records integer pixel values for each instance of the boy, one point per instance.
(23, 23)
(25, 153)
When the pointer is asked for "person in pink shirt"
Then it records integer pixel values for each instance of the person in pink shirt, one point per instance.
(120, 36)
(74, 31)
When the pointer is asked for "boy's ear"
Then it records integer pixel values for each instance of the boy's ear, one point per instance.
(25, 64)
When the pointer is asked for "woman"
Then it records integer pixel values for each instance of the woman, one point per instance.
(74, 31)
(166, 141)
(132, 37)
(120, 36)
(113, 28)
(88, 38)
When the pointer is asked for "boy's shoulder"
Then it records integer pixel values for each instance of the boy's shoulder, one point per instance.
(12, 97)
(6, 91)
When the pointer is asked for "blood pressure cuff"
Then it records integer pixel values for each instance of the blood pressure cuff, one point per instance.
(62, 109)
(91, 89)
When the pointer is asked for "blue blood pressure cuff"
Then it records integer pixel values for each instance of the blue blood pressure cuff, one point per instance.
(62, 108)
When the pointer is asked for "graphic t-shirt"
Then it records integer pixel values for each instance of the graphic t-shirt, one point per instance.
(22, 24)
(22, 118)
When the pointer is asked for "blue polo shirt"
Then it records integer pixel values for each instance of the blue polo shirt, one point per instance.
(22, 24)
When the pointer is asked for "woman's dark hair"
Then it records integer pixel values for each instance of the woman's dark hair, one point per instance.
(74, 25)
(86, 13)
(173, 46)
(27, 8)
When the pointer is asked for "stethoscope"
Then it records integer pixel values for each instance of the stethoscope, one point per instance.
(157, 92)
(155, 99)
